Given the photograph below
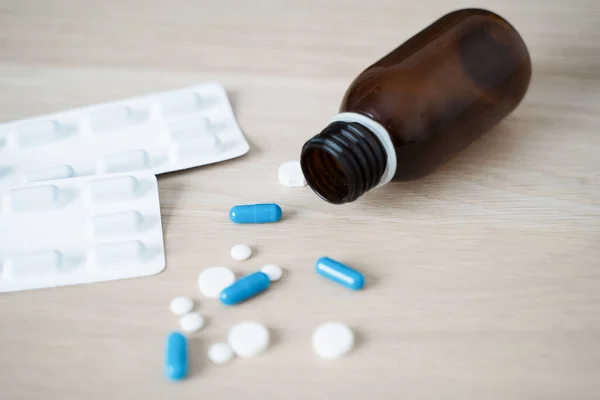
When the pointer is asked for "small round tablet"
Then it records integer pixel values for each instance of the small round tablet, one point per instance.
(290, 174)
(248, 339)
(220, 353)
(332, 340)
(191, 322)
(273, 271)
(241, 252)
(213, 280)
(181, 305)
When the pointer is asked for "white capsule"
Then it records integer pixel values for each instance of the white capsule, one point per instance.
(332, 340)
(181, 305)
(191, 322)
(274, 272)
(220, 353)
(241, 252)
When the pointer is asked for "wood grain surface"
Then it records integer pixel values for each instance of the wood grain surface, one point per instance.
(483, 278)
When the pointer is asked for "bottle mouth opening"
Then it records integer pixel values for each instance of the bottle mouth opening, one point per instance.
(343, 162)
(325, 175)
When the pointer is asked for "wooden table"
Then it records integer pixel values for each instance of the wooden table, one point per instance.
(484, 278)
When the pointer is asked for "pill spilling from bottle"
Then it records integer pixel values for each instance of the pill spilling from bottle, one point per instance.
(290, 174)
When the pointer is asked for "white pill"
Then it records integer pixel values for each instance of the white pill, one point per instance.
(213, 280)
(332, 340)
(248, 339)
(273, 271)
(290, 174)
(191, 322)
(220, 353)
(241, 252)
(181, 305)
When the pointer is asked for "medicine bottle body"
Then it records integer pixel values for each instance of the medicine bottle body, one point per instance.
(411, 111)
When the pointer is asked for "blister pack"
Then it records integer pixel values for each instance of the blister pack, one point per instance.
(80, 230)
(161, 133)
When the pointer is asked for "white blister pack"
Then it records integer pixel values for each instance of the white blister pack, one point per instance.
(162, 132)
(80, 230)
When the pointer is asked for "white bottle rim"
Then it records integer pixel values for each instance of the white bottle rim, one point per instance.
(383, 136)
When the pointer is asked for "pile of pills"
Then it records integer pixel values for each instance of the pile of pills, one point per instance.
(245, 339)
(331, 340)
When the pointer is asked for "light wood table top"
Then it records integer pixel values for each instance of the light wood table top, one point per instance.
(484, 278)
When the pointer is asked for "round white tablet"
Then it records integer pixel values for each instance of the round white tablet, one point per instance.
(332, 340)
(273, 271)
(248, 339)
(220, 353)
(213, 280)
(191, 322)
(290, 174)
(181, 305)
(241, 252)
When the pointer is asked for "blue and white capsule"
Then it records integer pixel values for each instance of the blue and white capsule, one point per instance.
(255, 213)
(245, 288)
(176, 358)
(340, 273)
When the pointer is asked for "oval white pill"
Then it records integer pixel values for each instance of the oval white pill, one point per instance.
(290, 174)
(220, 353)
(248, 339)
(241, 252)
(213, 280)
(181, 305)
(332, 340)
(274, 272)
(191, 322)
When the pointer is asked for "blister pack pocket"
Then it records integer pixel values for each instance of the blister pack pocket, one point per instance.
(80, 230)
(162, 132)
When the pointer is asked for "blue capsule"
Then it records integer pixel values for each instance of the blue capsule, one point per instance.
(340, 273)
(255, 213)
(245, 288)
(176, 360)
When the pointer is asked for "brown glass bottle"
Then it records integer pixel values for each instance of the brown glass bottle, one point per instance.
(414, 109)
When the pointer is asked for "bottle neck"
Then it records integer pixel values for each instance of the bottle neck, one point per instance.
(344, 161)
